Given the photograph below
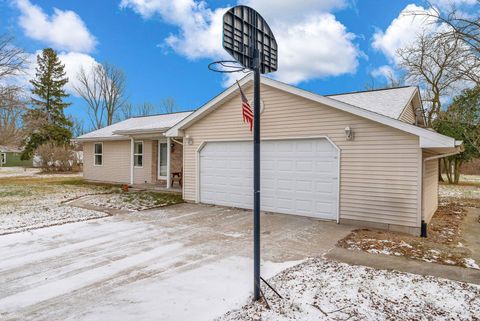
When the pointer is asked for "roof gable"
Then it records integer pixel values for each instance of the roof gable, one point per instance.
(428, 138)
(389, 102)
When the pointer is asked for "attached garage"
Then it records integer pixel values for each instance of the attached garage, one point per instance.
(299, 176)
(377, 177)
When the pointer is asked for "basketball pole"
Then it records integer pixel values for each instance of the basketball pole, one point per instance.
(256, 174)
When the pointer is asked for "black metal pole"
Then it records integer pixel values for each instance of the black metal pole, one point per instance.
(256, 175)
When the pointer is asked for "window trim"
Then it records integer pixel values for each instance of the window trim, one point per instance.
(163, 141)
(95, 154)
(138, 154)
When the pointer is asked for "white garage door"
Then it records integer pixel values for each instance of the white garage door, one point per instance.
(298, 176)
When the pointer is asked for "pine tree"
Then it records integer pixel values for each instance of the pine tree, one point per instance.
(45, 121)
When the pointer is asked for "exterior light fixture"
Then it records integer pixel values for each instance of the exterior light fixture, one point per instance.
(348, 133)
(189, 140)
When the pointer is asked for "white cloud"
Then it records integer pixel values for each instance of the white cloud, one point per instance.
(316, 48)
(312, 43)
(63, 30)
(73, 62)
(402, 31)
(288, 10)
(446, 4)
(386, 72)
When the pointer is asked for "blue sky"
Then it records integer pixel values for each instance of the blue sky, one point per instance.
(328, 46)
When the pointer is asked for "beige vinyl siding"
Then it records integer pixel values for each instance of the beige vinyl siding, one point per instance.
(142, 175)
(379, 168)
(408, 114)
(116, 163)
(430, 188)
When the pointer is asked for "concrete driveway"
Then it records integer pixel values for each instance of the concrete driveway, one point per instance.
(185, 262)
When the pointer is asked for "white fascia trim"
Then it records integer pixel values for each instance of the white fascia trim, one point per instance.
(428, 139)
(140, 131)
(174, 131)
(96, 139)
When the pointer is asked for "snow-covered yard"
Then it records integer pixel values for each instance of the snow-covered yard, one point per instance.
(319, 289)
(30, 206)
(32, 202)
(31, 172)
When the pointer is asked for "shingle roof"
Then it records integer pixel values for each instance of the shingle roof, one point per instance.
(138, 124)
(388, 102)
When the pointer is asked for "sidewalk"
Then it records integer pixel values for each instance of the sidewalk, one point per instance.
(388, 262)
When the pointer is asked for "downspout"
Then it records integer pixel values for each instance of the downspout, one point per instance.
(423, 224)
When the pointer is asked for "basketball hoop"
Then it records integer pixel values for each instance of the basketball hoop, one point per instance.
(227, 66)
(250, 41)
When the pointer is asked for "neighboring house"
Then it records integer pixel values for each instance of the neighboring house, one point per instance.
(361, 158)
(10, 157)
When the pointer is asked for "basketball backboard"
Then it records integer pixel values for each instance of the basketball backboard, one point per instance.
(244, 30)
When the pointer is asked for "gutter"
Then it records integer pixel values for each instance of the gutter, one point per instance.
(423, 224)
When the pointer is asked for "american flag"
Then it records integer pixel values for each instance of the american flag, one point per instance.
(247, 113)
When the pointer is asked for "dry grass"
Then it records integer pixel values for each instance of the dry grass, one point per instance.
(443, 244)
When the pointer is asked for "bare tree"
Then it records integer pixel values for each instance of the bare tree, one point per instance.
(434, 62)
(12, 107)
(461, 26)
(89, 88)
(127, 110)
(169, 105)
(145, 109)
(103, 89)
(12, 64)
(112, 82)
(78, 126)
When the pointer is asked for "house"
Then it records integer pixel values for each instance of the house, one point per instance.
(360, 158)
(10, 157)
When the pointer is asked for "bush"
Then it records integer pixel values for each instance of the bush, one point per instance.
(57, 158)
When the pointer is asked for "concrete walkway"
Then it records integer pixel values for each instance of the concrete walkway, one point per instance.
(402, 264)
(471, 240)
(471, 233)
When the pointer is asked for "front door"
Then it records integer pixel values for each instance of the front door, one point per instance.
(162, 160)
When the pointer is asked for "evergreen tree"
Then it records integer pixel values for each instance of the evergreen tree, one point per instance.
(46, 121)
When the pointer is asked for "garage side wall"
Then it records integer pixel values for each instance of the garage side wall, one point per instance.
(430, 189)
(379, 169)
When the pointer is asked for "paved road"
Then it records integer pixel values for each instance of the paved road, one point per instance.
(185, 262)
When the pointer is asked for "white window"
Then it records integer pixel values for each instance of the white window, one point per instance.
(98, 152)
(3, 158)
(162, 152)
(138, 154)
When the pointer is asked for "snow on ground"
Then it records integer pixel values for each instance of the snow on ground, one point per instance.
(121, 269)
(459, 191)
(25, 207)
(319, 289)
(31, 172)
(200, 294)
(133, 201)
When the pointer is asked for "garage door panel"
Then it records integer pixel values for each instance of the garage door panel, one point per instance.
(298, 176)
